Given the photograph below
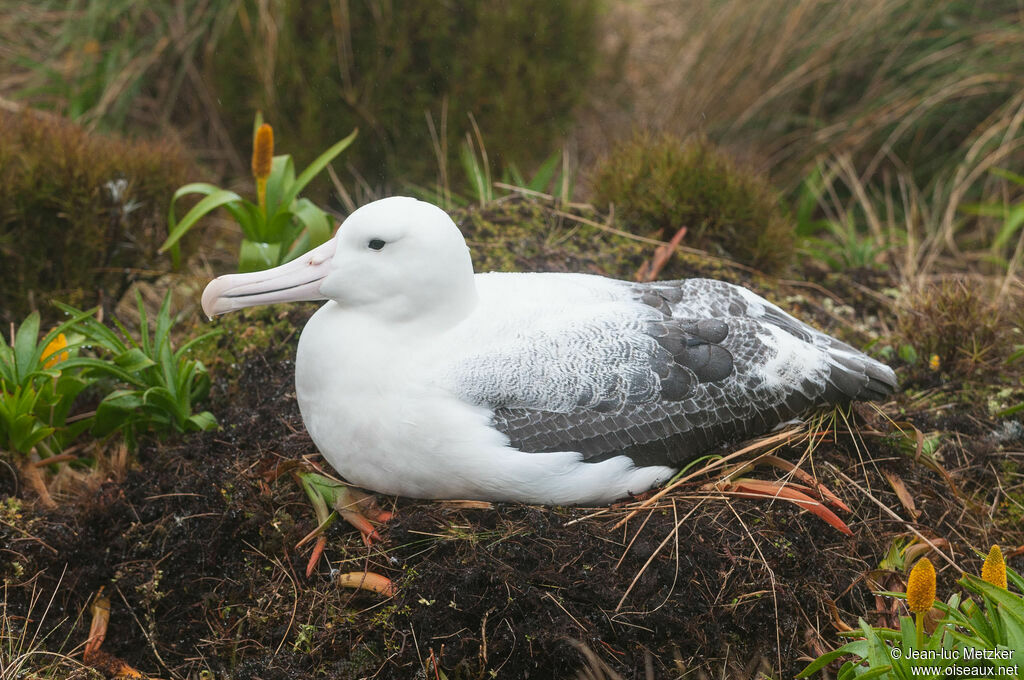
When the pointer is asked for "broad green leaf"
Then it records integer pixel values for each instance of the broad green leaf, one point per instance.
(318, 224)
(26, 431)
(117, 409)
(25, 341)
(277, 228)
(248, 216)
(162, 398)
(858, 647)
(256, 256)
(133, 360)
(201, 422)
(106, 368)
(199, 210)
(282, 177)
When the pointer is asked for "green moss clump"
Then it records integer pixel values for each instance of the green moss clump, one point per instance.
(518, 67)
(81, 215)
(661, 184)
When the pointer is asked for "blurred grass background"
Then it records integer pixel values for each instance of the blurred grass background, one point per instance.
(877, 121)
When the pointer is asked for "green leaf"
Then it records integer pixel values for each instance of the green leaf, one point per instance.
(282, 177)
(249, 217)
(1011, 223)
(256, 256)
(201, 422)
(162, 398)
(1006, 174)
(207, 205)
(318, 223)
(316, 167)
(1011, 601)
(542, 178)
(116, 409)
(133, 360)
(858, 647)
(25, 346)
(26, 431)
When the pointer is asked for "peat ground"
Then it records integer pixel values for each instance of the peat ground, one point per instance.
(194, 542)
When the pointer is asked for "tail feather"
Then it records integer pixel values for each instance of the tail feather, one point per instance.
(858, 377)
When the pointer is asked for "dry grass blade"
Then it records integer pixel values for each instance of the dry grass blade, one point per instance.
(671, 534)
(906, 499)
(889, 511)
(108, 664)
(775, 441)
(98, 626)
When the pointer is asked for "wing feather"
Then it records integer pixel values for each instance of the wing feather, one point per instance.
(663, 374)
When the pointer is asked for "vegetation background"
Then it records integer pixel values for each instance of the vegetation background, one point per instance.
(859, 162)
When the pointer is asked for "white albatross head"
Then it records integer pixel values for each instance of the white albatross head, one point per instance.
(397, 259)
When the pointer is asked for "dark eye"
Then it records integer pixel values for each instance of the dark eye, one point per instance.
(375, 244)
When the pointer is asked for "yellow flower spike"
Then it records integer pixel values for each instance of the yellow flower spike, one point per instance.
(933, 362)
(60, 342)
(921, 594)
(994, 569)
(921, 586)
(262, 159)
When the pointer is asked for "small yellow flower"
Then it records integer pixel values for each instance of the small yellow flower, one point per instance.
(933, 362)
(56, 345)
(263, 152)
(921, 586)
(994, 569)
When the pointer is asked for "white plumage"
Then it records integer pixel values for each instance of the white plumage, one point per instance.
(421, 379)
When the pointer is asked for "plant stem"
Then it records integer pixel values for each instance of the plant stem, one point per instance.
(34, 479)
(261, 193)
(919, 626)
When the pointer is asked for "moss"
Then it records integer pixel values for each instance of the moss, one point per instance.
(81, 215)
(519, 68)
(660, 184)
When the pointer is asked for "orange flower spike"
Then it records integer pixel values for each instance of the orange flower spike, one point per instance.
(921, 586)
(55, 346)
(994, 569)
(262, 159)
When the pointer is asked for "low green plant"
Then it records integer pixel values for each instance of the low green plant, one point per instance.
(158, 386)
(661, 184)
(280, 226)
(837, 241)
(988, 638)
(476, 167)
(37, 391)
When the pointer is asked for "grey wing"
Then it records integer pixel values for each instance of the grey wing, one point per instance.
(697, 364)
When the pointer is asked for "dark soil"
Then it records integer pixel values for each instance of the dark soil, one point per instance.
(195, 546)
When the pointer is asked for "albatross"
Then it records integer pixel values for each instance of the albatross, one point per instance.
(420, 378)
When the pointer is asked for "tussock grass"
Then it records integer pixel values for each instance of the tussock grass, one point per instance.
(784, 82)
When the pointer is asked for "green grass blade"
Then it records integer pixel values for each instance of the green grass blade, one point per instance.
(316, 167)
